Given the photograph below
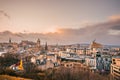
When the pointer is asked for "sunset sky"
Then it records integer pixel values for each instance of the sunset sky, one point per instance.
(43, 16)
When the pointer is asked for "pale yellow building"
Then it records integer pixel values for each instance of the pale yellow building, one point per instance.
(115, 68)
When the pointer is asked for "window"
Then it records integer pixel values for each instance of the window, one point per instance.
(114, 62)
(113, 59)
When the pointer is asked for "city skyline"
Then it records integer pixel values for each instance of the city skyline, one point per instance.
(60, 39)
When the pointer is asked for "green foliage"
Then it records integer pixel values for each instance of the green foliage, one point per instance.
(8, 60)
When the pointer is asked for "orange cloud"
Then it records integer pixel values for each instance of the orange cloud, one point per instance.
(114, 17)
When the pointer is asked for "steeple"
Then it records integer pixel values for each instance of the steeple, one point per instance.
(38, 42)
(9, 40)
(20, 67)
(46, 47)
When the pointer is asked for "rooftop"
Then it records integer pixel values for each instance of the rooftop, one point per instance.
(95, 45)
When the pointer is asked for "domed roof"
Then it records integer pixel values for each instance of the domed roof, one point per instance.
(95, 45)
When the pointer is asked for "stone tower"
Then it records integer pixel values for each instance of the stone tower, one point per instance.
(46, 47)
(10, 40)
(38, 43)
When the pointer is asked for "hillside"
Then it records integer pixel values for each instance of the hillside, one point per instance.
(6, 77)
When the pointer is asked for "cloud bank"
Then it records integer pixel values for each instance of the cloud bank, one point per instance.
(106, 33)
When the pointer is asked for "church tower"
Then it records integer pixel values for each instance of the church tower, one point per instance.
(38, 43)
(46, 47)
(10, 40)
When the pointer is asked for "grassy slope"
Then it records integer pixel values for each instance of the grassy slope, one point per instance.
(6, 77)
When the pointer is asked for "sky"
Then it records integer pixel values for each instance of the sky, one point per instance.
(43, 16)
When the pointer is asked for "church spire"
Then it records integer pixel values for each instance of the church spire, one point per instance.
(38, 42)
(46, 47)
(10, 40)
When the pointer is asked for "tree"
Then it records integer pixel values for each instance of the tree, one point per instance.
(8, 60)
